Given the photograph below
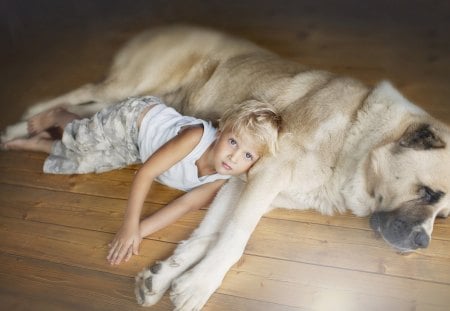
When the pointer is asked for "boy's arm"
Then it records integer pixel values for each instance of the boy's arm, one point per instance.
(199, 197)
(127, 240)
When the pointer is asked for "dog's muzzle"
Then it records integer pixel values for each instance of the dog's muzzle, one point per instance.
(399, 233)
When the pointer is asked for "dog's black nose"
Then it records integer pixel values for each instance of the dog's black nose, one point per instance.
(421, 239)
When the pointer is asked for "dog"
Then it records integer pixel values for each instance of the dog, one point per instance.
(344, 147)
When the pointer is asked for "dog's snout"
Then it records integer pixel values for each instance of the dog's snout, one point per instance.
(421, 239)
(400, 232)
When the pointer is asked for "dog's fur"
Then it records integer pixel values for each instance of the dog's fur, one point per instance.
(344, 147)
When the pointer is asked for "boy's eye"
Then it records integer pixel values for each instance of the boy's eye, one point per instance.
(232, 141)
(248, 156)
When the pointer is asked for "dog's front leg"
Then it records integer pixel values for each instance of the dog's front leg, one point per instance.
(153, 282)
(191, 290)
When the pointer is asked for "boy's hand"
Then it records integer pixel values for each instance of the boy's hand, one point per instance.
(125, 244)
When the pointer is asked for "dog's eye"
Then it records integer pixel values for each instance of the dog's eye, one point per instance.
(427, 195)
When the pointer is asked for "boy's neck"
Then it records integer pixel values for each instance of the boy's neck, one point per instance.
(205, 164)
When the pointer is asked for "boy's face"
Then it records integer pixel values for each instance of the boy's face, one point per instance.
(234, 155)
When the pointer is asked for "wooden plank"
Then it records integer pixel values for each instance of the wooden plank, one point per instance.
(324, 288)
(70, 287)
(83, 211)
(304, 242)
(256, 278)
(347, 248)
(18, 168)
(73, 246)
(44, 285)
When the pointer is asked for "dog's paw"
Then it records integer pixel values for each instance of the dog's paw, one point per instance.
(151, 284)
(192, 290)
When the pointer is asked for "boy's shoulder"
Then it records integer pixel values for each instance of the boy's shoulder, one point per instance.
(193, 133)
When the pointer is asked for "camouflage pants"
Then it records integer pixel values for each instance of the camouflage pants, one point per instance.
(104, 142)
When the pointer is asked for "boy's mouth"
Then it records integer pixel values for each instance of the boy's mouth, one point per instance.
(226, 166)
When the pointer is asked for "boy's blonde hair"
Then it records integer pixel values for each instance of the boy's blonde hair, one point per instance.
(256, 120)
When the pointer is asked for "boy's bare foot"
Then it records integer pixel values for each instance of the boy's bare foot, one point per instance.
(57, 117)
(41, 142)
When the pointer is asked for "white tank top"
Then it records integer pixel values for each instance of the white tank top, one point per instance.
(162, 123)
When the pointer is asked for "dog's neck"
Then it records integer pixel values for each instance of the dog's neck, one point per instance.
(367, 133)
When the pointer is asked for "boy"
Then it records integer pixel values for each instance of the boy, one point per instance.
(180, 151)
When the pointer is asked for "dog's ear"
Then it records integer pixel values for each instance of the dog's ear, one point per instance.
(421, 137)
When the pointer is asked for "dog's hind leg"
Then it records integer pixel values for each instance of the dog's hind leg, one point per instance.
(86, 94)
(153, 282)
(78, 96)
(83, 101)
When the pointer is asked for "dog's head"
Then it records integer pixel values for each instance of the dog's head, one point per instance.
(408, 170)
(410, 183)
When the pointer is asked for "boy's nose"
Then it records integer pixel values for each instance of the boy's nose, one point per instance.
(234, 157)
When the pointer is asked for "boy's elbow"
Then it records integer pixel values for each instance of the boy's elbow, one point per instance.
(194, 207)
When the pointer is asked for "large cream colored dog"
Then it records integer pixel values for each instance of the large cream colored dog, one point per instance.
(345, 147)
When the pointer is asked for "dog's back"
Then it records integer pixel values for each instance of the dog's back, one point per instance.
(201, 72)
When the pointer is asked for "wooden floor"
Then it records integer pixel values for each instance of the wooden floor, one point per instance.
(54, 230)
